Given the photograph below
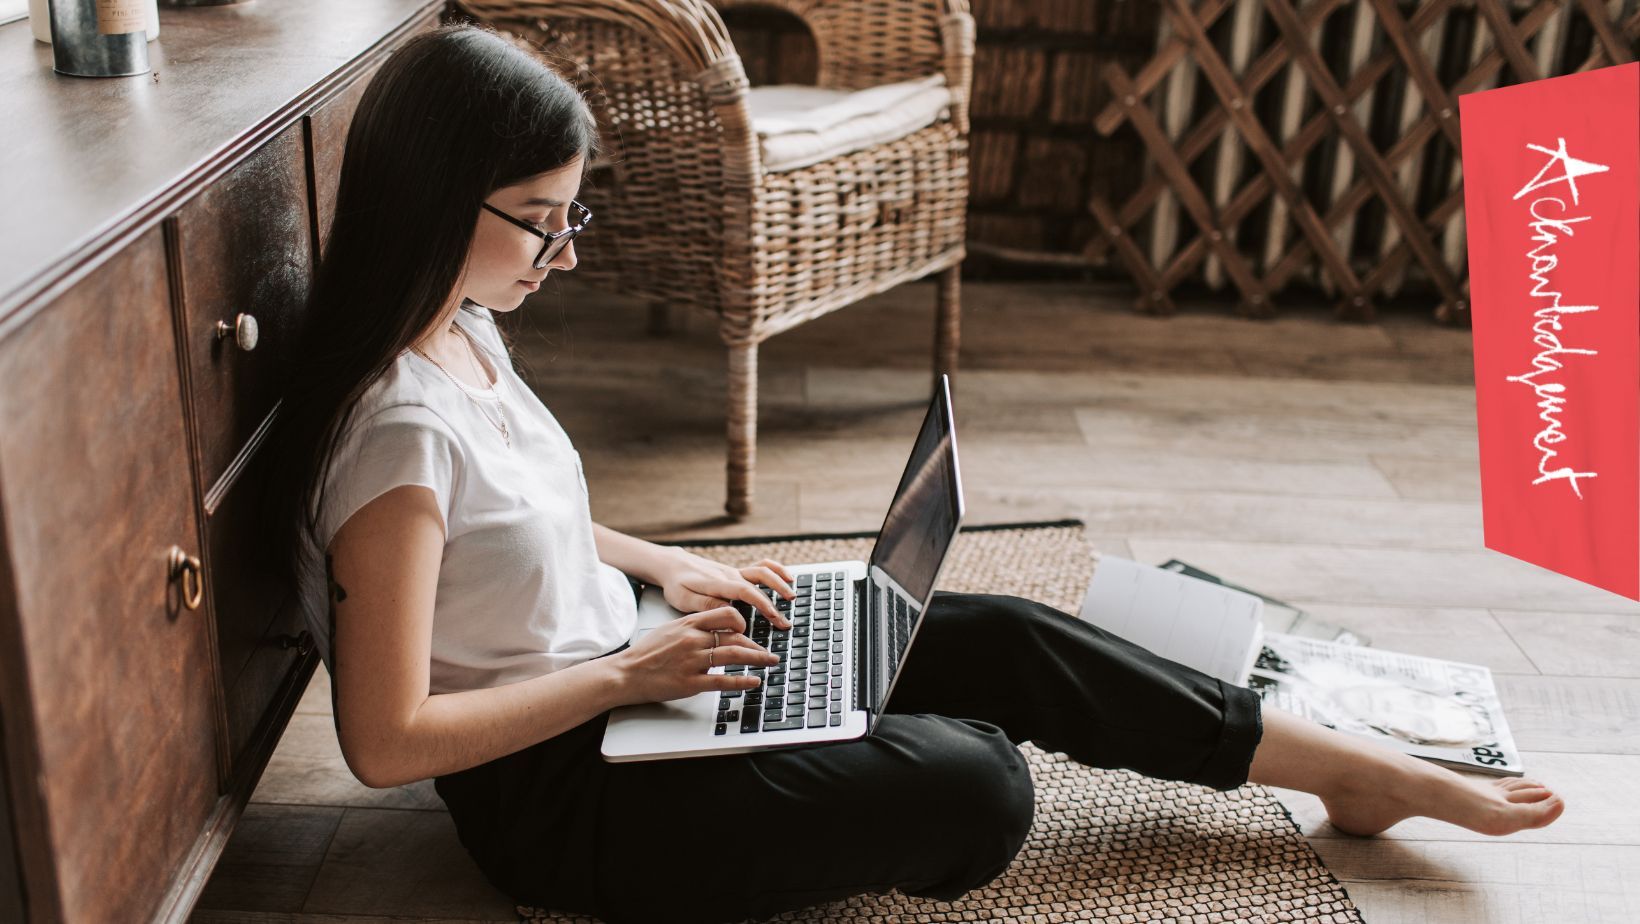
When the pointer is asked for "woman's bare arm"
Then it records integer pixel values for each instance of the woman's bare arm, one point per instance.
(639, 558)
(384, 575)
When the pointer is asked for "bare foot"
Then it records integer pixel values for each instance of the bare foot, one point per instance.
(1403, 790)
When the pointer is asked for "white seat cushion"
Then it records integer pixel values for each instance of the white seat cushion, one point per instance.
(799, 125)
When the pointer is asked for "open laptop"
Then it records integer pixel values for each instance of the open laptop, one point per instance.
(852, 625)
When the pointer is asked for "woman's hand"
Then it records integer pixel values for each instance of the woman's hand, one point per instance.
(693, 584)
(672, 661)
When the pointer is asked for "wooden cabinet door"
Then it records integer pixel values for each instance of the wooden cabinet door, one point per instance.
(253, 603)
(112, 742)
(328, 125)
(245, 259)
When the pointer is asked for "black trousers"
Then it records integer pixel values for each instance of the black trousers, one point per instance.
(935, 802)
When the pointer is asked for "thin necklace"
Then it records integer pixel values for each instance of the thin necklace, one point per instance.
(505, 432)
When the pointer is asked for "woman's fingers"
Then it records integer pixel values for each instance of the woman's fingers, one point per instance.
(778, 569)
(730, 655)
(728, 681)
(721, 617)
(740, 589)
(770, 577)
(731, 638)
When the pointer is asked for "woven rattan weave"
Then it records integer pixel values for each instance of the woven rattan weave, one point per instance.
(688, 215)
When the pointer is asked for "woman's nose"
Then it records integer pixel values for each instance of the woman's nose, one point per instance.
(565, 260)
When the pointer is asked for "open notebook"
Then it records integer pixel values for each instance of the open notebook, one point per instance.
(1209, 627)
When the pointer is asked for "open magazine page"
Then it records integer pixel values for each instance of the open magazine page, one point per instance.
(1278, 616)
(1444, 711)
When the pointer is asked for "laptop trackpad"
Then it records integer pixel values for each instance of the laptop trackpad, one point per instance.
(653, 611)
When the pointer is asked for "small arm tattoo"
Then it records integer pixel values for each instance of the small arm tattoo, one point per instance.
(337, 594)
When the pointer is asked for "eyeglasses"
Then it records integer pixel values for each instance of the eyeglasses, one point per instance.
(552, 242)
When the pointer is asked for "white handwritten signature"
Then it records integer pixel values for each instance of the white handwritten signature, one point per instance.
(1547, 230)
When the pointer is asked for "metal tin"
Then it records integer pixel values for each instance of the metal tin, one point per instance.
(79, 48)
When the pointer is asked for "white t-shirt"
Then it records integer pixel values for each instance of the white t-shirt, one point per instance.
(521, 591)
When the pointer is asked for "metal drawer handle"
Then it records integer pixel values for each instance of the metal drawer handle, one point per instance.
(243, 329)
(192, 575)
(302, 643)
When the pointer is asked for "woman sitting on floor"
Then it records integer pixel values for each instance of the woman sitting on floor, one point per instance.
(473, 617)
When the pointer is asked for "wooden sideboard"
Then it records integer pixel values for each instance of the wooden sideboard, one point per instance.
(156, 245)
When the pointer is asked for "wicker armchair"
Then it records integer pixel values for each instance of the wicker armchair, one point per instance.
(688, 212)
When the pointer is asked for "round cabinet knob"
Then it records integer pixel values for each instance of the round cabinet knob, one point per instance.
(193, 576)
(243, 330)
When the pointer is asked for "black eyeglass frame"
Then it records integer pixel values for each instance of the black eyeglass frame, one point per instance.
(548, 238)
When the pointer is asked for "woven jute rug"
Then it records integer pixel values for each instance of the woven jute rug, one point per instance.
(1107, 845)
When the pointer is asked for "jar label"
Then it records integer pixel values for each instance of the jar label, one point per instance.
(117, 17)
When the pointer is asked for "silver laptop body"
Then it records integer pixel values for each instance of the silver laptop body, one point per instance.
(865, 614)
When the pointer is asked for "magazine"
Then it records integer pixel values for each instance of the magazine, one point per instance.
(1444, 711)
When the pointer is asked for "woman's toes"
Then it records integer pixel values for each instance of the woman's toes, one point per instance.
(1552, 807)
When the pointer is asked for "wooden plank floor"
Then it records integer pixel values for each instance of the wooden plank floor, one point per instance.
(1330, 464)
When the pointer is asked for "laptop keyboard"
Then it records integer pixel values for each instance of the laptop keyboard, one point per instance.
(901, 617)
(804, 690)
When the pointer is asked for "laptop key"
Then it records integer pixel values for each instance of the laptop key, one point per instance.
(749, 718)
(817, 719)
(795, 709)
(836, 720)
(721, 729)
(786, 725)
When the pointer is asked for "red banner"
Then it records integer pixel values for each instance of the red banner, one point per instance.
(1552, 206)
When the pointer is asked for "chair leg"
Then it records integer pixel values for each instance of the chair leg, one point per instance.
(947, 321)
(742, 428)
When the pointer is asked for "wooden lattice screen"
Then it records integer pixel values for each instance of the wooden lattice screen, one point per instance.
(1346, 171)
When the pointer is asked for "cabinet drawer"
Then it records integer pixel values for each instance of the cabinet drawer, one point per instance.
(116, 732)
(245, 255)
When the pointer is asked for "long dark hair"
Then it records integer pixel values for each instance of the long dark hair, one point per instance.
(453, 115)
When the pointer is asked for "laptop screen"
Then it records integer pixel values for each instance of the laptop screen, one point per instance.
(923, 518)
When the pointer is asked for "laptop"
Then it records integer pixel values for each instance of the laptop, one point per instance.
(853, 623)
